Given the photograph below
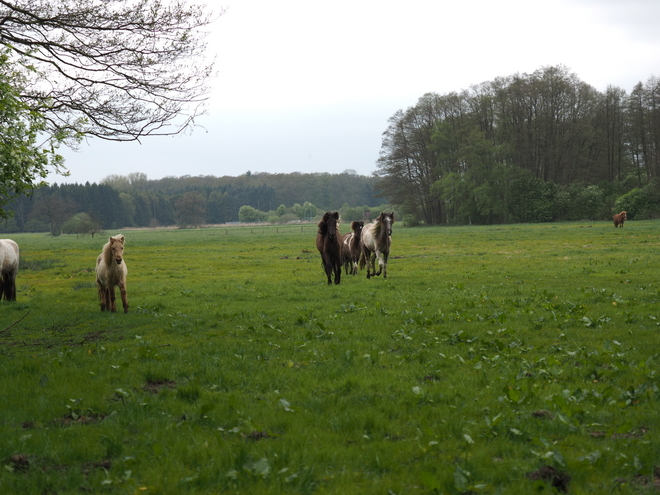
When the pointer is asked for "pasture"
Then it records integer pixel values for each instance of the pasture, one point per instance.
(502, 359)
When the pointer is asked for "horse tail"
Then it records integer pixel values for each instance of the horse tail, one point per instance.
(363, 261)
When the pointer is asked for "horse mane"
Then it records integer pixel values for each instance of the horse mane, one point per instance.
(378, 225)
(323, 225)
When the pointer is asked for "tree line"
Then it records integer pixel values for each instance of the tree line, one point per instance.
(135, 201)
(525, 148)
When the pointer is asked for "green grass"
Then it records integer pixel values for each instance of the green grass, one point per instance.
(492, 360)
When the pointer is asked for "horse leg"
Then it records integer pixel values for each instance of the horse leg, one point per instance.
(12, 288)
(100, 289)
(385, 256)
(113, 303)
(327, 266)
(378, 255)
(371, 267)
(124, 299)
(337, 265)
(4, 286)
(105, 299)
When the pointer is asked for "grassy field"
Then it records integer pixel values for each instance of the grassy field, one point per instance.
(502, 359)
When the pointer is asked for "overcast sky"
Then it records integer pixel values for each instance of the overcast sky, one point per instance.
(309, 86)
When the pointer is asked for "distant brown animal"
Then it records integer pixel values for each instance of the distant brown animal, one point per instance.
(111, 272)
(619, 218)
(352, 247)
(329, 243)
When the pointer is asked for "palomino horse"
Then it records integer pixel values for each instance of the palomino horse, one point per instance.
(376, 240)
(8, 269)
(619, 218)
(111, 272)
(328, 242)
(350, 251)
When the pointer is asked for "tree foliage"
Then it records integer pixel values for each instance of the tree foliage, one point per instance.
(468, 156)
(190, 209)
(114, 69)
(23, 163)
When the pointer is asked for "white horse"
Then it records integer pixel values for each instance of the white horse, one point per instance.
(376, 240)
(111, 272)
(8, 269)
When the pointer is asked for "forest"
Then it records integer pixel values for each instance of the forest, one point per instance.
(533, 147)
(135, 201)
(537, 147)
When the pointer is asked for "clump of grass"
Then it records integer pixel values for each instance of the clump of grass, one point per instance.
(83, 285)
(36, 265)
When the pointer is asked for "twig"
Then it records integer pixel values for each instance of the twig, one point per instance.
(16, 322)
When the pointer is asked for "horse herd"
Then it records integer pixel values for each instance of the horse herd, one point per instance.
(362, 246)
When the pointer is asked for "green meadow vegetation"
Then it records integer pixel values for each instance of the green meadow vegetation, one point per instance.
(494, 359)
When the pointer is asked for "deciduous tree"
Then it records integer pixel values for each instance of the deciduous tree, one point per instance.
(113, 69)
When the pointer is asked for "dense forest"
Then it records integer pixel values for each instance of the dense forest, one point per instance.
(136, 201)
(525, 148)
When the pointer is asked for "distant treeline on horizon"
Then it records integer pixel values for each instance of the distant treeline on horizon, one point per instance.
(136, 201)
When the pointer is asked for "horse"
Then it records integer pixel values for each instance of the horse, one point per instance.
(376, 240)
(619, 218)
(111, 272)
(8, 269)
(350, 251)
(328, 242)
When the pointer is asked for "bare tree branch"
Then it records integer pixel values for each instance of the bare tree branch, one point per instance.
(114, 69)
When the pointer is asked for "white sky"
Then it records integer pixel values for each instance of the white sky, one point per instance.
(308, 86)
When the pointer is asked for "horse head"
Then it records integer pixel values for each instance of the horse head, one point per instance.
(332, 222)
(357, 226)
(117, 247)
(387, 219)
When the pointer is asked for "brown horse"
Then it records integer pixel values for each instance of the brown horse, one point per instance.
(329, 242)
(376, 240)
(619, 218)
(350, 251)
(111, 272)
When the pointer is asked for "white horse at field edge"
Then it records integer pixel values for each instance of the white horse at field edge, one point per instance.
(8, 269)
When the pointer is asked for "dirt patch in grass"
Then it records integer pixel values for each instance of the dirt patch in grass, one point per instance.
(634, 433)
(70, 419)
(255, 436)
(88, 467)
(18, 463)
(647, 481)
(432, 378)
(558, 479)
(543, 414)
(153, 387)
